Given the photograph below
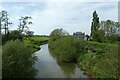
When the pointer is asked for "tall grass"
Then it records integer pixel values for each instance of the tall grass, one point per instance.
(35, 42)
(100, 59)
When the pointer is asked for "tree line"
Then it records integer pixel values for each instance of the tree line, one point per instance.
(104, 31)
(23, 27)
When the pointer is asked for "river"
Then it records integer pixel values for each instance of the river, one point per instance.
(48, 66)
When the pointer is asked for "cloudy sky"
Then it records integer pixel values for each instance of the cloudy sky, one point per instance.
(71, 16)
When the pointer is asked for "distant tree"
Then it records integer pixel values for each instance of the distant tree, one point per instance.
(100, 36)
(95, 26)
(29, 33)
(111, 30)
(23, 26)
(4, 21)
(13, 35)
(4, 25)
(87, 36)
(57, 34)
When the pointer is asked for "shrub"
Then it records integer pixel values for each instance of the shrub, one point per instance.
(17, 60)
(65, 49)
(13, 35)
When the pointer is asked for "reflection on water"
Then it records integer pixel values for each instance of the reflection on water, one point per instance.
(49, 67)
(68, 69)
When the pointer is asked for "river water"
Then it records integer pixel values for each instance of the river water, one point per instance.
(48, 67)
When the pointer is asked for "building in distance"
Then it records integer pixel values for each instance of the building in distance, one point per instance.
(79, 36)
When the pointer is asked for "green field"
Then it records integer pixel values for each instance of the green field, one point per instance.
(35, 42)
(40, 38)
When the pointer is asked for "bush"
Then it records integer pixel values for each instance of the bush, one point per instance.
(17, 60)
(65, 49)
(13, 35)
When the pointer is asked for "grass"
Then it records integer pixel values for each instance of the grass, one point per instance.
(101, 62)
(40, 38)
(35, 42)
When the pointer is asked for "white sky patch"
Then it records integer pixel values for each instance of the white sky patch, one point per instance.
(59, 0)
(71, 16)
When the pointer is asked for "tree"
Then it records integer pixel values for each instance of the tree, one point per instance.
(111, 30)
(29, 33)
(13, 35)
(57, 34)
(23, 26)
(95, 26)
(64, 45)
(4, 24)
(87, 36)
(100, 35)
(4, 21)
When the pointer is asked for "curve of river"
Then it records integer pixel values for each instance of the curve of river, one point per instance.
(48, 67)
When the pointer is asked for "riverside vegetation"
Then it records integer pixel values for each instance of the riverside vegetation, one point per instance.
(99, 60)
(18, 47)
(17, 60)
(35, 42)
(18, 57)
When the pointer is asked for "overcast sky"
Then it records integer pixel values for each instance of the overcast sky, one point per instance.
(71, 16)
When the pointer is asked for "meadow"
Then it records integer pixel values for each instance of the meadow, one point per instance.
(35, 42)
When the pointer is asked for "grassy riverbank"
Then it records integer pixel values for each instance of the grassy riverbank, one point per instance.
(35, 42)
(97, 59)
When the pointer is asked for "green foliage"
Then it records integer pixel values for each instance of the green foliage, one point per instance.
(31, 45)
(29, 33)
(95, 25)
(113, 38)
(39, 38)
(35, 42)
(65, 49)
(57, 34)
(13, 35)
(100, 59)
(99, 36)
(17, 60)
(106, 31)
(63, 46)
(111, 30)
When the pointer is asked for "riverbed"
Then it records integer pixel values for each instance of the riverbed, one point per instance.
(48, 67)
